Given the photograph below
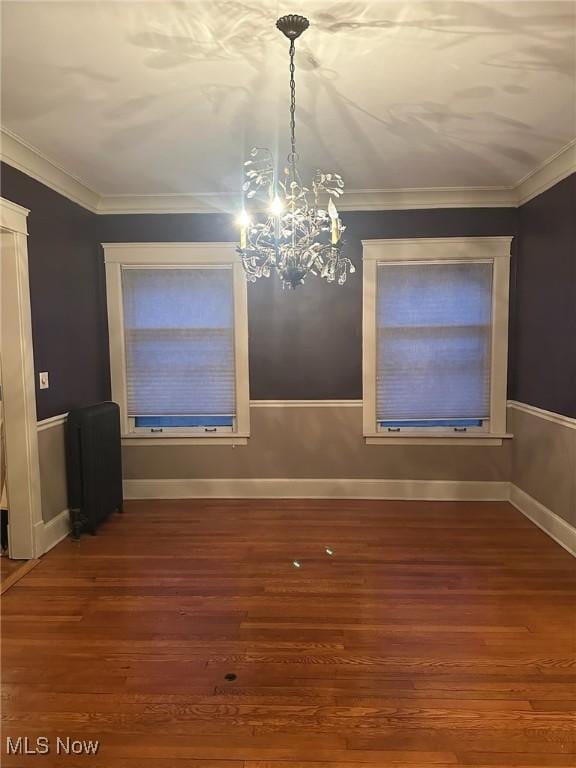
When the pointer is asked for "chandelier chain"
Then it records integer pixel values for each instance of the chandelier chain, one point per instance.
(292, 104)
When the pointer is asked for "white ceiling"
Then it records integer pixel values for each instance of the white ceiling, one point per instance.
(168, 97)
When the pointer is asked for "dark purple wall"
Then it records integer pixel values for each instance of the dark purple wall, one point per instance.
(544, 327)
(67, 295)
(304, 344)
(307, 343)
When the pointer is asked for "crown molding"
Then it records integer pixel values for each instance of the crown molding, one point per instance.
(202, 202)
(17, 153)
(20, 155)
(433, 197)
(353, 200)
(556, 168)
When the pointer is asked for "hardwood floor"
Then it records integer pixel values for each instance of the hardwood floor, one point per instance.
(435, 634)
(8, 567)
(12, 571)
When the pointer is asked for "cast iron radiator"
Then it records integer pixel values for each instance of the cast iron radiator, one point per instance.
(94, 465)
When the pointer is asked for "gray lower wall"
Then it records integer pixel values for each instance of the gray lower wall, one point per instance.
(52, 455)
(315, 442)
(323, 442)
(544, 461)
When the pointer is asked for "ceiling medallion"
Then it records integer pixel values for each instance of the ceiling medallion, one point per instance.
(296, 236)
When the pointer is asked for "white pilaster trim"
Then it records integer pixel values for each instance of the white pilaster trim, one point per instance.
(557, 418)
(306, 488)
(13, 217)
(558, 529)
(19, 397)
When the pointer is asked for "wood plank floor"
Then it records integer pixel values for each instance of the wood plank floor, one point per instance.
(12, 571)
(9, 567)
(430, 634)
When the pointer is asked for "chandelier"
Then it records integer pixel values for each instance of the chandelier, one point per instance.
(296, 235)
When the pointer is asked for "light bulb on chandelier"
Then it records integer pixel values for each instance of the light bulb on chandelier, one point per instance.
(243, 220)
(299, 234)
(276, 207)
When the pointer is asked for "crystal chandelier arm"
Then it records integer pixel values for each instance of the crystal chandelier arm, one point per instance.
(258, 173)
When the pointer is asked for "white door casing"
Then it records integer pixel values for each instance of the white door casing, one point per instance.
(19, 397)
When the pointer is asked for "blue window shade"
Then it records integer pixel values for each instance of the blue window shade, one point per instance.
(179, 341)
(183, 421)
(433, 328)
(433, 423)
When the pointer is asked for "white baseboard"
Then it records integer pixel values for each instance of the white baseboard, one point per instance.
(243, 488)
(558, 529)
(51, 533)
(304, 488)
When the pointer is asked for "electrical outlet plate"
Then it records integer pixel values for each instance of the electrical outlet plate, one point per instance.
(43, 378)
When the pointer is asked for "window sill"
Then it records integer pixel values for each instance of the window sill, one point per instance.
(418, 439)
(149, 440)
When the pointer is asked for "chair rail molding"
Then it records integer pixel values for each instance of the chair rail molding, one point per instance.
(557, 418)
(52, 421)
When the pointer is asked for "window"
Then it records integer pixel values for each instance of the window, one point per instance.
(178, 338)
(435, 340)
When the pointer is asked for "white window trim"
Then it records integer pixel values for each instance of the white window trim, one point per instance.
(117, 255)
(439, 250)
